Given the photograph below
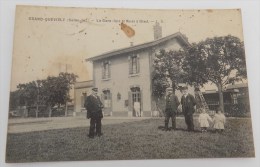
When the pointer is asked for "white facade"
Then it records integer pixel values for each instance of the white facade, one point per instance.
(111, 73)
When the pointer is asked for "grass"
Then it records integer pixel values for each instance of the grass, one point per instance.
(132, 140)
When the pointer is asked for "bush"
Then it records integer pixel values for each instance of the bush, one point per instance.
(237, 110)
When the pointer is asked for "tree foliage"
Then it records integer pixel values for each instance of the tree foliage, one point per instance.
(27, 93)
(167, 71)
(49, 92)
(220, 60)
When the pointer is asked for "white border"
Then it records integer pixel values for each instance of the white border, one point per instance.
(251, 26)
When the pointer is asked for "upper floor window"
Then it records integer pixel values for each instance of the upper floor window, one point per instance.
(106, 70)
(134, 64)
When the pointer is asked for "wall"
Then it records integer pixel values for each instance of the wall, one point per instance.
(78, 96)
(120, 81)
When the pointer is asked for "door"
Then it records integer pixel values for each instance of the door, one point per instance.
(136, 101)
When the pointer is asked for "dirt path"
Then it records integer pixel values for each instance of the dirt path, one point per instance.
(21, 125)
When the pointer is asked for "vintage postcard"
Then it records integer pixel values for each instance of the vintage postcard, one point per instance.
(128, 84)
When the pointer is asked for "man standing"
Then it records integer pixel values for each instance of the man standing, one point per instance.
(188, 102)
(94, 107)
(171, 107)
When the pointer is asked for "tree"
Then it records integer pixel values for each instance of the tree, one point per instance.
(69, 79)
(220, 60)
(14, 99)
(28, 93)
(167, 72)
(49, 92)
(55, 90)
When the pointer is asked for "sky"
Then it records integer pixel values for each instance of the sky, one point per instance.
(49, 40)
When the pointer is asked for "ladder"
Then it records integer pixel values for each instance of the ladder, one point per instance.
(203, 101)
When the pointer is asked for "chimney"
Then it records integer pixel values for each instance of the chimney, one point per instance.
(157, 29)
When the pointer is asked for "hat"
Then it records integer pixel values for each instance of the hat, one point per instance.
(169, 89)
(95, 89)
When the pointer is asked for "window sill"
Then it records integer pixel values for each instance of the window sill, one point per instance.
(133, 75)
(106, 79)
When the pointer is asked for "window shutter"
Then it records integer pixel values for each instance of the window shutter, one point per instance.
(109, 69)
(141, 101)
(102, 98)
(103, 70)
(138, 63)
(130, 64)
(82, 101)
(111, 100)
(130, 101)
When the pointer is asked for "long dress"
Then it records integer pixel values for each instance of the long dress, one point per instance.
(204, 119)
(219, 121)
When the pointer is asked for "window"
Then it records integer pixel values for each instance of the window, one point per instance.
(136, 94)
(82, 101)
(106, 70)
(234, 98)
(133, 64)
(83, 98)
(107, 98)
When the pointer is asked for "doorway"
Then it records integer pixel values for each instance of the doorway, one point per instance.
(136, 102)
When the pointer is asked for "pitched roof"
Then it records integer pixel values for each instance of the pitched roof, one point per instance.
(230, 88)
(236, 86)
(182, 39)
(84, 84)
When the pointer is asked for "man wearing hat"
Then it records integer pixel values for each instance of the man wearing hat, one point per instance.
(94, 107)
(188, 102)
(171, 107)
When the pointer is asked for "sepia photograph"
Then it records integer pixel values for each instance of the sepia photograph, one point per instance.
(91, 84)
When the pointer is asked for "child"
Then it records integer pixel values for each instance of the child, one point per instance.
(203, 120)
(219, 120)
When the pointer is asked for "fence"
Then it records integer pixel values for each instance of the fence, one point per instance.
(30, 111)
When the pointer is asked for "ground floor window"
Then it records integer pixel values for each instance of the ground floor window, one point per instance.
(107, 98)
(136, 94)
(82, 101)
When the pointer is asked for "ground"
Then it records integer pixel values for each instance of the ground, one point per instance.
(135, 139)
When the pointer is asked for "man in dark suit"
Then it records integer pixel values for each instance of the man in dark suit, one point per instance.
(188, 102)
(171, 107)
(94, 107)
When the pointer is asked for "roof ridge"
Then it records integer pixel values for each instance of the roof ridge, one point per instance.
(139, 46)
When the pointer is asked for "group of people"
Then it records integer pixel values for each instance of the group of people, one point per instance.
(188, 103)
(218, 120)
(94, 108)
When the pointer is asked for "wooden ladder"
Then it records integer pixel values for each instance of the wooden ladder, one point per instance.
(203, 101)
